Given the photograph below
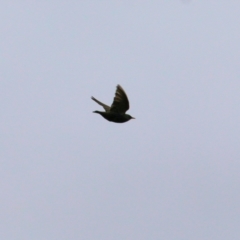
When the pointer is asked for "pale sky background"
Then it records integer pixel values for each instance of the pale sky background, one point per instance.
(171, 174)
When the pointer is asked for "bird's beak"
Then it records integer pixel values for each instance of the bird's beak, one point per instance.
(133, 118)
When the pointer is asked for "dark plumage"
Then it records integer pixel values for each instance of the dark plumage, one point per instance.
(116, 113)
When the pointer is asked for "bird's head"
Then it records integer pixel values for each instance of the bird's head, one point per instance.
(129, 117)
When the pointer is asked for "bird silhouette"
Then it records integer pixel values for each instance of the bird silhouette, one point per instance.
(117, 112)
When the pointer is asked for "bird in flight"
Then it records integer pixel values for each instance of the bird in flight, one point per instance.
(117, 112)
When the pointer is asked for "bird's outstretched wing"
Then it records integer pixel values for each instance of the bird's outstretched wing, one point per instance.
(120, 102)
(106, 107)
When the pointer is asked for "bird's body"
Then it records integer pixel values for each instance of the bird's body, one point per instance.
(115, 117)
(116, 113)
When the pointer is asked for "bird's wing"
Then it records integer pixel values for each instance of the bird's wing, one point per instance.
(120, 102)
(106, 107)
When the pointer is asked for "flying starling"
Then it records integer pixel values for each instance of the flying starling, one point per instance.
(116, 113)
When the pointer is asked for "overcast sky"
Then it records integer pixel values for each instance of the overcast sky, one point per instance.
(68, 174)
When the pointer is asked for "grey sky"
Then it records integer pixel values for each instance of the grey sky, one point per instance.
(173, 173)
